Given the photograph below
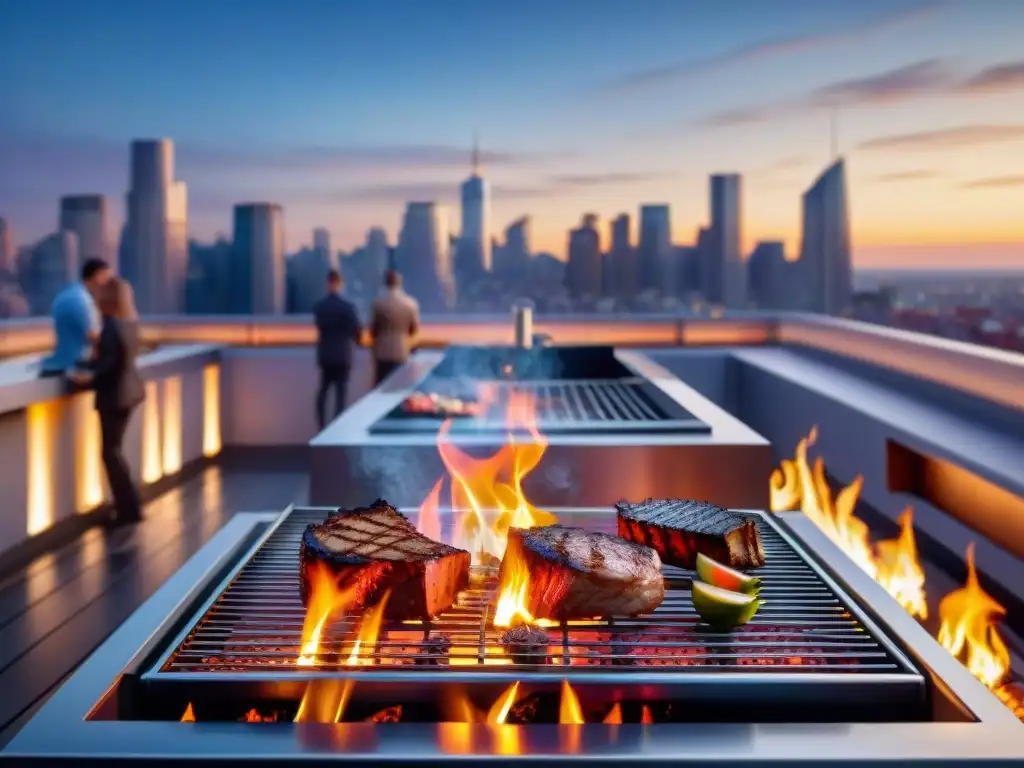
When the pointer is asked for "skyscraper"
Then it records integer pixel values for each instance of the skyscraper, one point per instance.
(322, 242)
(86, 216)
(825, 267)
(766, 275)
(257, 260)
(377, 250)
(154, 244)
(583, 271)
(655, 249)
(515, 255)
(51, 266)
(623, 268)
(725, 277)
(473, 252)
(423, 256)
(7, 250)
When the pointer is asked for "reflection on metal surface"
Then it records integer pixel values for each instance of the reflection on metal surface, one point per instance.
(41, 421)
(152, 464)
(211, 411)
(89, 488)
(171, 426)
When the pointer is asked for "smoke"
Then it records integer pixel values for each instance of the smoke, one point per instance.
(399, 475)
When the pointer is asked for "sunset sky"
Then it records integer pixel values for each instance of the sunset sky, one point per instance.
(342, 111)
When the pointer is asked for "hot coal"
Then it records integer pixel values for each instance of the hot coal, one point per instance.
(526, 644)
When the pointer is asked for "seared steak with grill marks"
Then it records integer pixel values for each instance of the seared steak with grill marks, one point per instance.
(375, 549)
(578, 574)
(679, 529)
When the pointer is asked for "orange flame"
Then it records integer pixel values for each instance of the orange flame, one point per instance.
(429, 521)
(569, 710)
(614, 716)
(190, 715)
(646, 718)
(784, 486)
(326, 600)
(899, 570)
(969, 619)
(498, 712)
(369, 631)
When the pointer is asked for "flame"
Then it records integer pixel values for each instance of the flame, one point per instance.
(899, 571)
(784, 484)
(498, 712)
(569, 711)
(494, 483)
(614, 716)
(646, 718)
(189, 716)
(326, 599)
(969, 619)
(429, 521)
(369, 631)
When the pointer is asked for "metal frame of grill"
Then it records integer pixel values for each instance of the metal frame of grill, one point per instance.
(606, 406)
(245, 638)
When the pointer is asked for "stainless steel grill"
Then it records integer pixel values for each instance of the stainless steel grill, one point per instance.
(607, 405)
(808, 642)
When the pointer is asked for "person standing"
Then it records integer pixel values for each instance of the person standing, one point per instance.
(76, 321)
(396, 321)
(338, 330)
(119, 390)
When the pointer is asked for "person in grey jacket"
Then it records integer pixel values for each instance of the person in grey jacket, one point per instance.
(119, 390)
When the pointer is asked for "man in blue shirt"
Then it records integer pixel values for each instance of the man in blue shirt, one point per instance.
(76, 321)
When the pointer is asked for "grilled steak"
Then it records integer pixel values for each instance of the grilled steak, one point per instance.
(679, 529)
(578, 574)
(375, 549)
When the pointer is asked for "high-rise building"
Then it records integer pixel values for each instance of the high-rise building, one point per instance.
(655, 248)
(473, 252)
(8, 263)
(208, 288)
(154, 243)
(825, 268)
(377, 250)
(725, 278)
(322, 242)
(423, 256)
(51, 266)
(766, 275)
(515, 254)
(257, 260)
(621, 261)
(583, 270)
(86, 216)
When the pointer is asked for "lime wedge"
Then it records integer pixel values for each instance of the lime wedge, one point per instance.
(718, 575)
(721, 608)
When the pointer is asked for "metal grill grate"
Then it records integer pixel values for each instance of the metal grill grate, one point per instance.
(253, 624)
(561, 406)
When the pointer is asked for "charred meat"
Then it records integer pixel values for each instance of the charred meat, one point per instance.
(572, 573)
(374, 549)
(680, 529)
(433, 404)
(525, 644)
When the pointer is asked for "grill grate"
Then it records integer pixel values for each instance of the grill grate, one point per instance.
(254, 624)
(561, 405)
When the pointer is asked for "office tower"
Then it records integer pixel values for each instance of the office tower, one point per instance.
(8, 262)
(377, 251)
(725, 278)
(825, 267)
(583, 270)
(322, 242)
(473, 252)
(257, 260)
(208, 286)
(423, 256)
(154, 244)
(306, 273)
(514, 264)
(655, 248)
(86, 216)
(622, 276)
(766, 275)
(51, 266)
(687, 270)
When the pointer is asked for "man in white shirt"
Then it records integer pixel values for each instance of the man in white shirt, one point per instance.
(76, 321)
(395, 321)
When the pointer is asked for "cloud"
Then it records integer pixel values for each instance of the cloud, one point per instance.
(947, 138)
(1004, 77)
(906, 176)
(764, 49)
(994, 182)
(604, 179)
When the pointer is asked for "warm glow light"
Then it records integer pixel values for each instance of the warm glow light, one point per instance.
(969, 619)
(89, 489)
(41, 420)
(171, 427)
(569, 710)
(326, 600)
(211, 411)
(152, 463)
(899, 571)
(325, 701)
(614, 716)
(369, 630)
(189, 716)
(646, 718)
(498, 713)
(429, 521)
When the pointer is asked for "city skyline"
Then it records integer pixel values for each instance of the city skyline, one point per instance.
(926, 117)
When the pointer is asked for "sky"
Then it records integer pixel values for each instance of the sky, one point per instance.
(343, 111)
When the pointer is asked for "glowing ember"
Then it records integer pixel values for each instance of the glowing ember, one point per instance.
(326, 600)
(569, 710)
(969, 619)
(646, 718)
(498, 713)
(494, 484)
(190, 715)
(899, 571)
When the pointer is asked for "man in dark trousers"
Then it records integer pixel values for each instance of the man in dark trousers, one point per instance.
(338, 330)
(394, 325)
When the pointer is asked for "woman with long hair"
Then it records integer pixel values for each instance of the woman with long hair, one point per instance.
(119, 390)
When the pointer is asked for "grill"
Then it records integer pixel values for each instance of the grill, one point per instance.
(809, 647)
(623, 405)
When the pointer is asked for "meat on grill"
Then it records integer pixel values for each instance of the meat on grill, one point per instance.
(679, 529)
(578, 574)
(374, 549)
